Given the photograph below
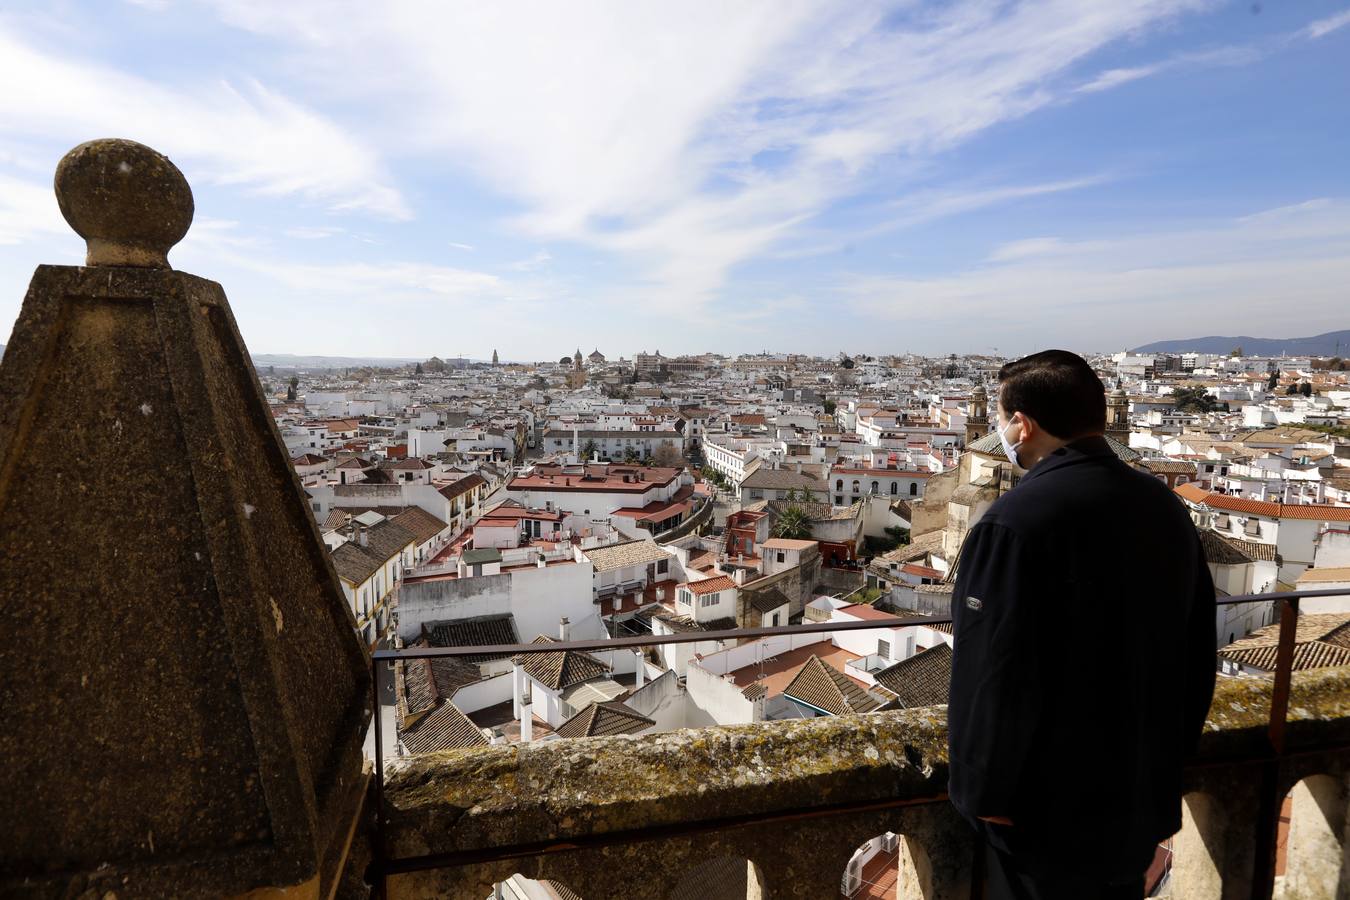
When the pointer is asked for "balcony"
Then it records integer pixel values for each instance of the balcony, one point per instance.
(788, 803)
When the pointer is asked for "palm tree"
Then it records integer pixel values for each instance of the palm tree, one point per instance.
(793, 524)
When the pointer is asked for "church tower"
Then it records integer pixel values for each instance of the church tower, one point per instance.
(977, 423)
(1118, 416)
(494, 357)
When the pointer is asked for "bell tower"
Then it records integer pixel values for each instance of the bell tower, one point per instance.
(1118, 416)
(977, 423)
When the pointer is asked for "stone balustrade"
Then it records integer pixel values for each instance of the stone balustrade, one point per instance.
(787, 803)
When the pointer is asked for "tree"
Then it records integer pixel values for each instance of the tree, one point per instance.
(793, 524)
(1236, 351)
(1274, 381)
(830, 407)
(1291, 390)
(1195, 399)
(666, 455)
(290, 391)
(630, 455)
(588, 450)
(1306, 389)
(847, 363)
(417, 369)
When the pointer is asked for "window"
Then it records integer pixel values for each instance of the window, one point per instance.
(708, 600)
(838, 500)
(895, 488)
(856, 487)
(883, 648)
(839, 485)
(782, 557)
(774, 620)
(1253, 527)
(913, 488)
(876, 488)
(662, 565)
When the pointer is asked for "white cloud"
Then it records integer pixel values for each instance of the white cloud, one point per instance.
(1116, 77)
(692, 137)
(28, 208)
(1243, 273)
(459, 246)
(247, 135)
(537, 260)
(1324, 27)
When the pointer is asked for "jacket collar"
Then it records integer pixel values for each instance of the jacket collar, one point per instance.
(1072, 453)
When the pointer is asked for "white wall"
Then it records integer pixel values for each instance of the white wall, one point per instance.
(719, 698)
(536, 597)
(484, 693)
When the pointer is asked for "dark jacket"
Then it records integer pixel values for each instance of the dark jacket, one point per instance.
(1083, 664)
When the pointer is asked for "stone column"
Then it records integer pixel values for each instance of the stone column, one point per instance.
(184, 696)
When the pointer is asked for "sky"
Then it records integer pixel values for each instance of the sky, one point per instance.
(405, 179)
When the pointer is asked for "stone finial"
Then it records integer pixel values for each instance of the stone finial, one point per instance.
(128, 202)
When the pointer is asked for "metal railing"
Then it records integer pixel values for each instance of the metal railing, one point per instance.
(382, 660)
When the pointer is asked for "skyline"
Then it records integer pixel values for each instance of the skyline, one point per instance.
(968, 178)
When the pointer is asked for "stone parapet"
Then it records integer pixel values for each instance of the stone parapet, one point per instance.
(789, 802)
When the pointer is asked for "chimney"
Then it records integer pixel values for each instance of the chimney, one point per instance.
(527, 722)
(618, 602)
(641, 669)
(363, 537)
(799, 467)
(564, 628)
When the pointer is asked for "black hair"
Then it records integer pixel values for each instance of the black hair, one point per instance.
(1056, 388)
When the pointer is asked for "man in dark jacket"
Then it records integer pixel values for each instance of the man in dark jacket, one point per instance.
(1084, 652)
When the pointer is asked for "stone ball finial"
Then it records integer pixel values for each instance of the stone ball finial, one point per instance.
(128, 202)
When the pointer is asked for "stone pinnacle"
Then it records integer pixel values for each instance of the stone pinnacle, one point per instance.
(128, 202)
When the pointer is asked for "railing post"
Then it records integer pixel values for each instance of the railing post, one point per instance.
(1270, 801)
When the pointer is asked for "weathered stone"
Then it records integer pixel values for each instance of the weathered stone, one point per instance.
(182, 694)
(564, 790)
(128, 202)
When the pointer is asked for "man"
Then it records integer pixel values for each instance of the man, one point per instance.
(1083, 661)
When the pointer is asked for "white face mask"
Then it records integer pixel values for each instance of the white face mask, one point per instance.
(1010, 450)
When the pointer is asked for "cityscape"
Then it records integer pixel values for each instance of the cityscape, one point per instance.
(545, 451)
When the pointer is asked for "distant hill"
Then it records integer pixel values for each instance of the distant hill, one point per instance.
(1333, 343)
(294, 361)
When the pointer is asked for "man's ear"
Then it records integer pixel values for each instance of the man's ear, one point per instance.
(1027, 426)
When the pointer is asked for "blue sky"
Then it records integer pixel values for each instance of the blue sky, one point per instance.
(408, 179)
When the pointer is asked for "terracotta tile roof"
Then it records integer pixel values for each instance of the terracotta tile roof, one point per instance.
(679, 624)
(613, 717)
(462, 486)
(863, 611)
(921, 680)
(821, 512)
(1318, 512)
(422, 524)
(767, 600)
(1320, 639)
(631, 553)
(444, 728)
(477, 631)
(829, 690)
(710, 585)
(562, 669)
(788, 544)
(1169, 466)
(384, 541)
(783, 480)
(1226, 551)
